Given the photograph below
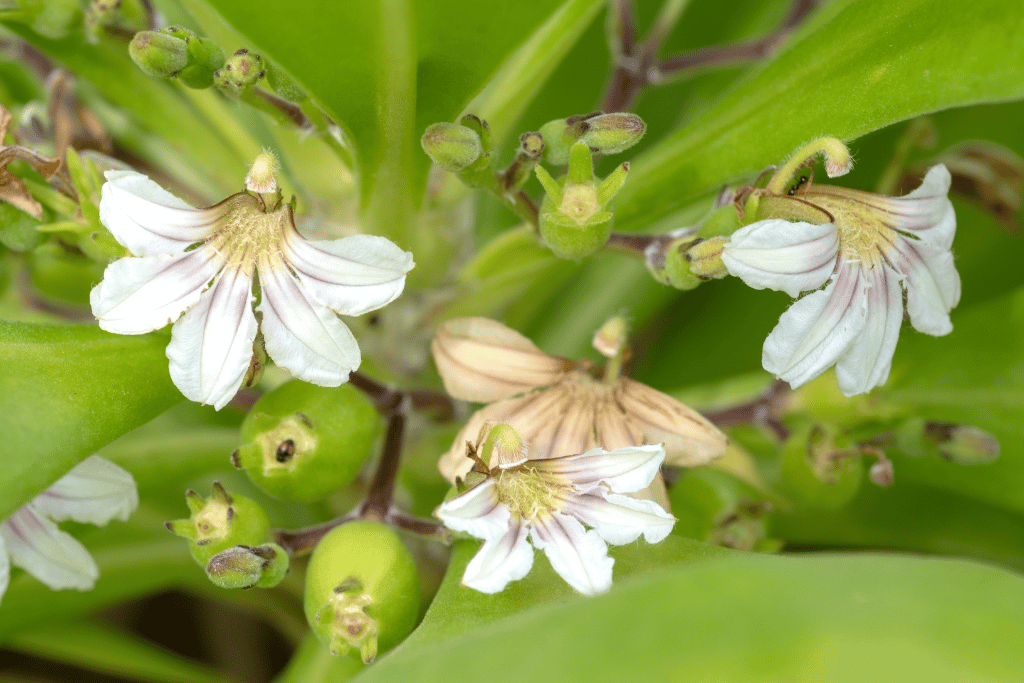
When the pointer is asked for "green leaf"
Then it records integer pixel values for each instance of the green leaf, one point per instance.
(67, 391)
(314, 663)
(107, 649)
(749, 617)
(870, 66)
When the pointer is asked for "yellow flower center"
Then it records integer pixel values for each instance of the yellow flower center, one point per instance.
(864, 236)
(529, 492)
(246, 231)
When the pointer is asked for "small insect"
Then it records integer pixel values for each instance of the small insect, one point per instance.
(800, 183)
(285, 451)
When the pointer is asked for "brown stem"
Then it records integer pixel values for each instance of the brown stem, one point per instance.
(418, 525)
(303, 540)
(761, 411)
(378, 499)
(636, 244)
(292, 111)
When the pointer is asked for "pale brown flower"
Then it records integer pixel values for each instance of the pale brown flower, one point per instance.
(556, 404)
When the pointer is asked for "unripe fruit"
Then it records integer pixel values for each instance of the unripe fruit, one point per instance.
(244, 566)
(362, 590)
(303, 442)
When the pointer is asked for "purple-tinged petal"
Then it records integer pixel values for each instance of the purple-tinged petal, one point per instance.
(476, 512)
(579, 556)
(933, 285)
(95, 491)
(621, 519)
(783, 255)
(866, 363)
(623, 470)
(35, 544)
(500, 560)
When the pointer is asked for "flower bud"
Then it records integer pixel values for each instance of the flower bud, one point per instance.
(362, 590)
(244, 566)
(705, 258)
(451, 146)
(962, 444)
(157, 54)
(602, 133)
(610, 339)
(303, 442)
(669, 265)
(205, 57)
(242, 70)
(219, 522)
(613, 133)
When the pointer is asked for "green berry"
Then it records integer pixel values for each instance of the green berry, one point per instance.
(220, 522)
(362, 590)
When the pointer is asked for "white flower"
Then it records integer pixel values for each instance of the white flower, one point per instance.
(874, 248)
(95, 492)
(209, 289)
(547, 502)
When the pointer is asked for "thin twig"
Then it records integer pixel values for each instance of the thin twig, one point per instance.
(382, 488)
(762, 411)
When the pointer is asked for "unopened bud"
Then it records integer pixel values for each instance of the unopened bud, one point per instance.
(503, 447)
(244, 566)
(613, 335)
(561, 134)
(881, 473)
(668, 264)
(613, 133)
(705, 258)
(242, 70)
(205, 57)
(963, 444)
(451, 146)
(262, 174)
(157, 54)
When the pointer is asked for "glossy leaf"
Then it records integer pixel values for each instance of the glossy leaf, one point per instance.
(870, 66)
(67, 391)
(747, 617)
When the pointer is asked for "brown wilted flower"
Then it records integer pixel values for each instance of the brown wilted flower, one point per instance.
(556, 404)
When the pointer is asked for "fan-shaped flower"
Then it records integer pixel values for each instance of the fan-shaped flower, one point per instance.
(556, 405)
(869, 248)
(208, 289)
(547, 502)
(94, 492)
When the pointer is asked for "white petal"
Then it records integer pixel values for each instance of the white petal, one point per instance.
(301, 335)
(580, 557)
(95, 491)
(816, 330)
(500, 560)
(782, 255)
(867, 361)
(139, 295)
(148, 219)
(621, 519)
(211, 345)
(927, 212)
(933, 285)
(476, 512)
(622, 470)
(54, 557)
(5, 569)
(351, 275)
(482, 360)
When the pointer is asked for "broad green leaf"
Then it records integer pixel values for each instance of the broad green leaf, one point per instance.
(106, 649)
(749, 617)
(313, 662)
(872, 65)
(67, 391)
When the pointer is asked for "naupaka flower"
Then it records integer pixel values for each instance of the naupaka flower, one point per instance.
(556, 404)
(869, 248)
(198, 266)
(547, 503)
(95, 491)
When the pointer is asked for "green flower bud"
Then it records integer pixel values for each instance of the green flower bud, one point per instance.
(219, 522)
(560, 135)
(242, 70)
(158, 55)
(303, 442)
(244, 566)
(815, 473)
(451, 146)
(669, 265)
(362, 590)
(613, 133)
(205, 57)
(284, 86)
(962, 444)
(574, 221)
